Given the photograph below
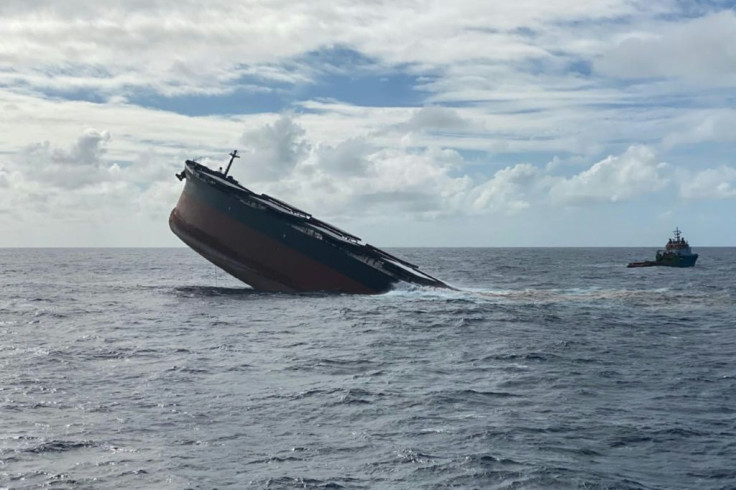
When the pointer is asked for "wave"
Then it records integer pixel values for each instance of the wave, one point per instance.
(56, 446)
(205, 291)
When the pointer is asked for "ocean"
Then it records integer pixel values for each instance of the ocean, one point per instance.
(547, 368)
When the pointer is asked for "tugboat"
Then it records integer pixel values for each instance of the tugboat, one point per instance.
(273, 246)
(677, 253)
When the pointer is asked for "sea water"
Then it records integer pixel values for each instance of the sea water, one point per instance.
(546, 368)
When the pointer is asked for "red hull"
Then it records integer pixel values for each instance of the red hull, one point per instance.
(251, 256)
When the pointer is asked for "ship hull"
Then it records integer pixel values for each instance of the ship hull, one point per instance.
(680, 261)
(262, 248)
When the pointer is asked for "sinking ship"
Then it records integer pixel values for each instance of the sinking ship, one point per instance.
(273, 246)
(676, 253)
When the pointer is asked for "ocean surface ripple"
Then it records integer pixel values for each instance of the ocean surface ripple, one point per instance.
(547, 368)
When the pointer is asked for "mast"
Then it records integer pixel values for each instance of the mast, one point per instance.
(677, 234)
(233, 156)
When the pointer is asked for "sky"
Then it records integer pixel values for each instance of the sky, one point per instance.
(408, 123)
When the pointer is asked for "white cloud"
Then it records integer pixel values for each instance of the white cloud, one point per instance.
(353, 178)
(356, 179)
(712, 183)
(636, 172)
(511, 62)
(176, 47)
(49, 184)
(77, 167)
(437, 118)
(509, 190)
(272, 151)
(346, 181)
(88, 149)
(702, 126)
(615, 179)
(350, 157)
(700, 50)
(158, 199)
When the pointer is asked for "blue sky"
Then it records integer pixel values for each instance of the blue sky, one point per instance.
(408, 123)
(359, 83)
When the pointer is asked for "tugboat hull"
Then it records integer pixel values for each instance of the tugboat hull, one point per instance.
(688, 261)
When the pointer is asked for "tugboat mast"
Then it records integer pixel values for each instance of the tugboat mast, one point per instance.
(233, 156)
(677, 234)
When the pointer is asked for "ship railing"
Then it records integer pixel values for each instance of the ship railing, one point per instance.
(332, 236)
(334, 229)
(387, 255)
(280, 209)
(311, 231)
(218, 177)
(204, 168)
(404, 272)
(309, 220)
(286, 206)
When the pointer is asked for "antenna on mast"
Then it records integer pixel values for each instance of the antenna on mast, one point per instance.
(233, 156)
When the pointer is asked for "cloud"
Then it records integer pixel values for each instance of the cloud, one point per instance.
(349, 157)
(344, 181)
(174, 47)
(437, 118)
(510, 190)
(518, 75)
(636, 172)
(712, 183)
(87, 151)
(702, 126)
(350, 177)
(273, 150)
(78, 183)
(699, 50)
(79, 166)
(355, 178)
(158, 198)
(4, 181)
(347, 178)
